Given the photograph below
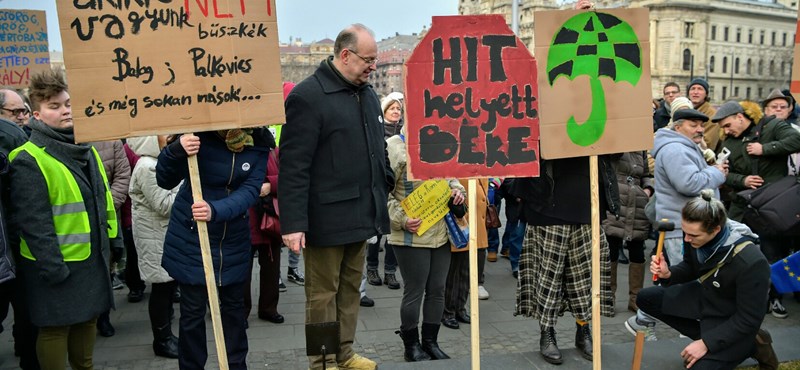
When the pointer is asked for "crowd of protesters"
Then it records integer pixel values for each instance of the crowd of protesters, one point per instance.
(70, 212)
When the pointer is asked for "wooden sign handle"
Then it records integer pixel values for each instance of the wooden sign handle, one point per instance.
(208, 267)
(596, 331)
(475, 332)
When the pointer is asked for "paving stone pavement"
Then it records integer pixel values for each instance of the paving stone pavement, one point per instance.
(507, 342)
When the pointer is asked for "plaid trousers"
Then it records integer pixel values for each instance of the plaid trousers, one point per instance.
(555, 274)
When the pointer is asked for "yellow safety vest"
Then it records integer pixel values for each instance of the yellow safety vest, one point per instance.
(70, 218)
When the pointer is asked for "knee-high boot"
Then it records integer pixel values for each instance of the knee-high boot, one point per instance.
(635, 282)
(413, 350)
(430, 338)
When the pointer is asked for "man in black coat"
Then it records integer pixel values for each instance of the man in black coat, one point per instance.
(663, 114)
(333, 186)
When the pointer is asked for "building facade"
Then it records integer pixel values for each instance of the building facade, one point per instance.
(299, 60)
(743, 47)
(392, 55)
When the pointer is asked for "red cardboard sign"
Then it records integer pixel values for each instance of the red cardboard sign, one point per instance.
(471, 102)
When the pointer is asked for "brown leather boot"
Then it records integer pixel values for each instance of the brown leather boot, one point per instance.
(765, 355)
(635, 282)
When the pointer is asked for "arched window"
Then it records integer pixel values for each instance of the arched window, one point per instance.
(687, 59)
(711, 64)
(771, 67)
(749, 66)
(760, 69)
(724, 64)
(736, 66)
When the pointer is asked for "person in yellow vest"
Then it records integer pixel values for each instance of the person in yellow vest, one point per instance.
(62, 207)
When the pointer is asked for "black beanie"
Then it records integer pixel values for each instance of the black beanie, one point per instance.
(698, 81)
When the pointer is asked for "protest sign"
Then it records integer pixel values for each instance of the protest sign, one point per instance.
(428, 203)
(471, 102)
(168, 66)
(594, 82)
(23, 46)
(795, 85)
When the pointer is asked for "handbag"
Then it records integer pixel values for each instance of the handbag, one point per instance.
(775, 208)
(270, 223)
(457, 230)
(492, 219)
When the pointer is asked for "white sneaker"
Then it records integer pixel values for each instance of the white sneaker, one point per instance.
(777, 309)
(482, 293)
(634, 325)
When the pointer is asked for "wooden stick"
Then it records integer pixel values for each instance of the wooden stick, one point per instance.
(473, 274)
(596, 331)
(638, 349)
(208, 267)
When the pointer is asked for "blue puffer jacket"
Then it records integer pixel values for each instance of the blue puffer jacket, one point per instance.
(230, 183)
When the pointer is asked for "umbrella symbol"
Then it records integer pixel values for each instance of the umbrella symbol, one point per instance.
(594, 44)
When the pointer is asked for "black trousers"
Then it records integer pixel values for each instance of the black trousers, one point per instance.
(457, 285)
(192, 336)
(23, 331)
(132, 278)
(160, 304)
(269, 260)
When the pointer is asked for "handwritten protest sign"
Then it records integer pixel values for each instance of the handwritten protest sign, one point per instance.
(428, 203)
(150, 67)
(472, 107)
(23, 46)
(594, 81)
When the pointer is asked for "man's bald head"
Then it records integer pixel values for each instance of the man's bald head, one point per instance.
(12, 106)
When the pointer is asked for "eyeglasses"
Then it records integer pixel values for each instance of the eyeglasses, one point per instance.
(671, 92)
(369, 61)
(16, 112)
(778, 107)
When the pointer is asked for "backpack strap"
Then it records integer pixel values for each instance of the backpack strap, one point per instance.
(738, 248)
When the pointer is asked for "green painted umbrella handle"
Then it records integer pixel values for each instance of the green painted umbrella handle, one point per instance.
(589, 132)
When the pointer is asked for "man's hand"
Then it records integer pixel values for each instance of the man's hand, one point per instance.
(457, 196)
(584, 4)
(753, 181)
(412, 224)
(265, 188)
(693, 352)
(295, 241)
(201, 211)
(190, 143)
(658, 266)
(723, 167)
(755, 149)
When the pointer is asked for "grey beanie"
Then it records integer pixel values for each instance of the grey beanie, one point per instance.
(698, 81)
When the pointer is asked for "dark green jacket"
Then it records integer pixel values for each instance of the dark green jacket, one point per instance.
(778, 140)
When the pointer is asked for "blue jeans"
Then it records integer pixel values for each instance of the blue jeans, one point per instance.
(389, 263)
(512, 239)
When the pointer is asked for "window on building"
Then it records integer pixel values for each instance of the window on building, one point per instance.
(725, 34)
(783, 68)
(736, 91)
(749, 66)
(771, 67)
(736, 66)
(762, 37)
(724, 92)
(750, 36)
(773, 38)
(738, 35)
(688, 29)
(724, 64)
(747, 92)
(760, 69)
(687, 59)
(760, 92)
(714, 32)
(711, 64)
(784, 39)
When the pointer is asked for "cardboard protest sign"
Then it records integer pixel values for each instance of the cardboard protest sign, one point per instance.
(471, 102)
(594, 81)
(152, 67)
(428, 203)
(23, 46)
(795, 85)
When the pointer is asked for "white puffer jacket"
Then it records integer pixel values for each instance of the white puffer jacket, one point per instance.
(150, 208)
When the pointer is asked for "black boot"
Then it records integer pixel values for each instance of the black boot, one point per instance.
(583, 340)
(430, 338)
(104, 326)
(413, 350)
(549, 348)
(164, 343)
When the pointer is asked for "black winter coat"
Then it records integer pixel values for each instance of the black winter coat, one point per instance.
(661, 116)
(230, 183)
(335, 173)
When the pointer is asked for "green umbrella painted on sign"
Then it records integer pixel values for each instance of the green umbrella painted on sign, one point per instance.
(596, 45)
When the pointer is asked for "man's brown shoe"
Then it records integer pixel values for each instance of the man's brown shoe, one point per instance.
(358, 362)
(765, 355)
(491, 256)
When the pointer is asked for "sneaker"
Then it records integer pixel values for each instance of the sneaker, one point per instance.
(358, 362)
(281, 285)
(366, 302)
(116, 283)
(634, 325)
(777, 309)
(294, 275)
(482, 293)
(373, 278)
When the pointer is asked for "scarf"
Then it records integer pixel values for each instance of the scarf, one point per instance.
(236, 139)
(715, 245)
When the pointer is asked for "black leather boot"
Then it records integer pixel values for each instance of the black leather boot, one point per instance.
(549, 348)
(583, 340)
(413, 350)
(430, 339)
(164, 343)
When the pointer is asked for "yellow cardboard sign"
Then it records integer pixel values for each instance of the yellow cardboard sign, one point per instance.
(428, 203)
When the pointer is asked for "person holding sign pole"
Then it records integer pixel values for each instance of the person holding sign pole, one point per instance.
(63, 209)
(333, 188)
(232, 165)
(424, 260)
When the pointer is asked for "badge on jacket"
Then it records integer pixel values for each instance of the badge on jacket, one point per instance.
(245, 166)
(715, 284)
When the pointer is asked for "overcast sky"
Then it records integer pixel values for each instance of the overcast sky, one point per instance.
(310, 20)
